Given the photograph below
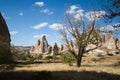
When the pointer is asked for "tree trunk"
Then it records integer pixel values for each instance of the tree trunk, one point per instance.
(79, 57)
(78, 62)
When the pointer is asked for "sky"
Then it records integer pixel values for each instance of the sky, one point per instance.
(29, 20)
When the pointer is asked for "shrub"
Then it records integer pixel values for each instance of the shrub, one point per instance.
(48, 57)
(32, 59)
(6, 67)
(39, 57)
(5, 54)
(67, 57)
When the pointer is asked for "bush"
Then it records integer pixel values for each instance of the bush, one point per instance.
(33, 58)
(39, 57)
(6, 67)
(67, 57)
(5, 54)
(48, 57)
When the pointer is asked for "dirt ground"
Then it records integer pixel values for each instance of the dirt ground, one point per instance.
(92, 68)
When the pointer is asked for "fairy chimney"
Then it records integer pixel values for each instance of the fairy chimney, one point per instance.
(4, 37)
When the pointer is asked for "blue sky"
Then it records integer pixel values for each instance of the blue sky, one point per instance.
(28, 20)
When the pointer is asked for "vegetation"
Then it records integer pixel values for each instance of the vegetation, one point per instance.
(48, 57)
(6, 67)
(5, 54)
(67, 57)
(81, 33)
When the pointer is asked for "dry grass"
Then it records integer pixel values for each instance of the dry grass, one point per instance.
(108, 64)
(93, 68)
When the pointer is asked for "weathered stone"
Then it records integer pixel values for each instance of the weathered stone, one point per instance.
(110, 41)
(5, 52)
(55, 49)
(62, 48)
(118, 44)
(49, 49)
(44, 45)
(41, 47)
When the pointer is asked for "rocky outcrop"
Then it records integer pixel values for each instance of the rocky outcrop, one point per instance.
(4, 39)
(118, 44)
(110, 41)
(107, 42)
(55, 49)
(44, 45)
(41, 47)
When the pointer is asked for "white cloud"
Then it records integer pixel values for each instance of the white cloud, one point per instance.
(62, 37)
(56, 26)
(107, 28)
(116, 26)
(71, 9)
(39, 36)
(94, 15)
(110, 27)
(79, 14)
(39, 4)
(13, 32)
(47, 11)
(38, 26)
(76, 12)
(21, 13)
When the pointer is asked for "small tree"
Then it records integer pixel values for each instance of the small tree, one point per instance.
(82, 35)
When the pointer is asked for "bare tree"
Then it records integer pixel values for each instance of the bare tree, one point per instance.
(82, 35)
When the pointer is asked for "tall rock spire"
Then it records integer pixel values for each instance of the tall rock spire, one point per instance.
(5, 52)
(44, 44)
(4, 32)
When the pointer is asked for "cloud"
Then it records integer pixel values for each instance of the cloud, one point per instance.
(76, 12)
(107, 28)
(47, 11)
(39, 4)
(56, 26)
(71, 9)
(94, 15)
(111, 27)
(38, 26)
(13, 32)
(39, 36)
(79, 14)
(21, 13)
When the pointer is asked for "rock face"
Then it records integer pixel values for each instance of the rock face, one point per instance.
(4, 38)
(55, 49)
(107, 43)
(41, 47)
(110, 41)
(118, 44)
(44, 45)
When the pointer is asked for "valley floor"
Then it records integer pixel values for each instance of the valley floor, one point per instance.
(93, 68)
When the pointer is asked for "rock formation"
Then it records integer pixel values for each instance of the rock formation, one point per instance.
(110, 41)
(44, 45)
(4, 39)
(55, 49)
(41, 47)
(118, 44)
